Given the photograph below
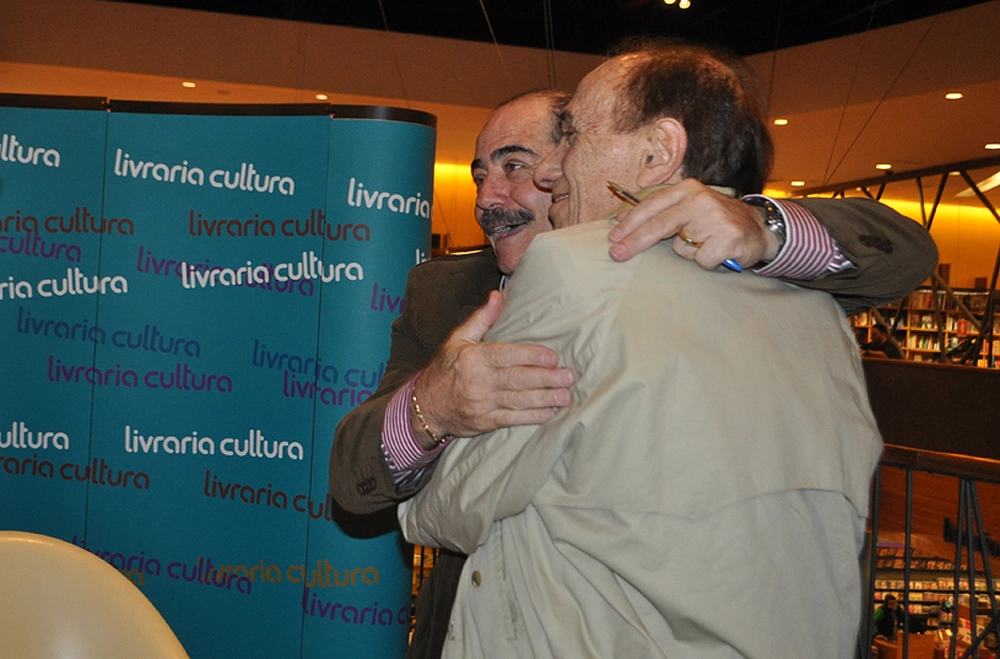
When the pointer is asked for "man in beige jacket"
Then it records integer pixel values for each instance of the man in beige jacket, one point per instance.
(705, 493)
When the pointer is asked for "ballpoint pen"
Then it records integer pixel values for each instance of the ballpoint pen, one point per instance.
(632, 199)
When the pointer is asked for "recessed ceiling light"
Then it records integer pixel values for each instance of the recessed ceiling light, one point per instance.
(798, 184)
(669, 2)
(993, 146)
(781, 122)
(188, 84)
(953, 96)
(884, 166)
(684, 4)
(321, 97)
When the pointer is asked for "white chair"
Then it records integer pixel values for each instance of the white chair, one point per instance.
(58, 601)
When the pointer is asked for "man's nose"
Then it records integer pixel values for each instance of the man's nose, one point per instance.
(493, 191)
(549, 170)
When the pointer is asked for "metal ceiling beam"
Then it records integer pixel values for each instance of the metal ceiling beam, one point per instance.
(839, 189)
(966, 165)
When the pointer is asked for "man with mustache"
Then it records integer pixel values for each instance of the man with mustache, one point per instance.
(383, 453)
(705, 492)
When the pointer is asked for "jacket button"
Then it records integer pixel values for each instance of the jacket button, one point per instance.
(477, 579)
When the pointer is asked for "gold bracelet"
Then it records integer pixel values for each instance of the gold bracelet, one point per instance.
(440, 441)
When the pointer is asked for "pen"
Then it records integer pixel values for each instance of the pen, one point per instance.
(632, 199)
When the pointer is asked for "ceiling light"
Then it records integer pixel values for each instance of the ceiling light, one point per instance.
(188, 84)
(798, 184)
(684, 4)
(884, 166)
(669, 2)
(781, 122)
(993, 146)
(321, 97)
(953, 96)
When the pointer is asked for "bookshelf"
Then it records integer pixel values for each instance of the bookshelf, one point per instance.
(934, 323)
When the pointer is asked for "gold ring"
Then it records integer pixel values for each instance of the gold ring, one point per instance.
(693, 243)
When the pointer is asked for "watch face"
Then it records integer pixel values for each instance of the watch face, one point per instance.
(773, 219)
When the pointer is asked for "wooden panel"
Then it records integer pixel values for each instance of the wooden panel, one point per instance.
(935, 498)
(937, 407)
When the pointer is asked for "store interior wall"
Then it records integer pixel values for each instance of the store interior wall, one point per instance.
(828, 90)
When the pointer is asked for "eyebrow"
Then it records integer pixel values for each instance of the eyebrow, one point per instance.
(500, 153)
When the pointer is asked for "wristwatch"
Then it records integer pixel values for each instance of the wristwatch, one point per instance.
(774, 220)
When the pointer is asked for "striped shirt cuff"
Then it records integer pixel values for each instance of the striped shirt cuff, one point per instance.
(810, 252)
(407, 460)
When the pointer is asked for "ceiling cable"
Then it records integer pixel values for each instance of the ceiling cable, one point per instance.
(871, 115)
(406, 97)
(843, 111)
(439, 212)
(550, 41)
(774, 56)
(496, 44)
(395, 55)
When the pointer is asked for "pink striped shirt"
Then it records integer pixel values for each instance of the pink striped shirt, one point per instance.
(406, 458)
(809, 253)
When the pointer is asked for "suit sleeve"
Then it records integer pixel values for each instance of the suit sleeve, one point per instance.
(495, 475)
(892, 253)
(360, 479)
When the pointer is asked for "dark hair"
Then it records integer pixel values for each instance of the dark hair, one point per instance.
(889, 598)
(557, 101)
(717, 98)
(882, 328)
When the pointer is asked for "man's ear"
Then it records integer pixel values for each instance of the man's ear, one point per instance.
(664, 158)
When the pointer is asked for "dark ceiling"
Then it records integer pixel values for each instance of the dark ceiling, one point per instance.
(747, 26)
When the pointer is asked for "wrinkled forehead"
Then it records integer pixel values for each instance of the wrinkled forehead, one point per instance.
(599, 93)
(525, 124)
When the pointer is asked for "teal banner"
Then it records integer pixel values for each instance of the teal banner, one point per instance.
(192, 301)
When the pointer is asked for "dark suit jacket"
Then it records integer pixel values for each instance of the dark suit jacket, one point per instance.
(893, 255)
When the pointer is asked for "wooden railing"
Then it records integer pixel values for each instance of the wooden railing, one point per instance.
(973, 551)
(937, 490)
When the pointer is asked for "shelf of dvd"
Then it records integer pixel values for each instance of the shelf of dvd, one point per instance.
(932, 583)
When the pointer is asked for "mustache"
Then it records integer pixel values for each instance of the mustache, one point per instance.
(500, 220)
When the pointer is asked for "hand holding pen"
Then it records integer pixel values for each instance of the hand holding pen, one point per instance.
(729, 227)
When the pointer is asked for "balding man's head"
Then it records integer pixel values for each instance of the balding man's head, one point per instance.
(657, 115)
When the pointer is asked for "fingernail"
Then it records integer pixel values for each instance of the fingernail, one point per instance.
(617, 252)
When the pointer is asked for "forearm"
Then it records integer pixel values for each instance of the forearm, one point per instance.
(361, 480)
(891, 253)
(809, 251)
(409, 451)
(478, 481)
